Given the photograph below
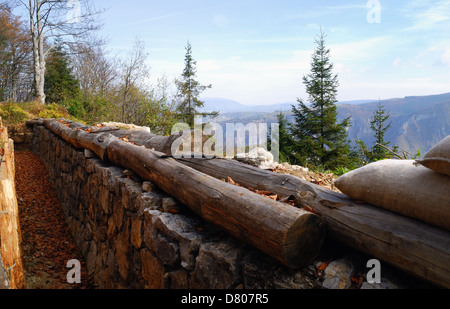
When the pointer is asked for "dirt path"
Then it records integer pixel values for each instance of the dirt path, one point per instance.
(46, 243)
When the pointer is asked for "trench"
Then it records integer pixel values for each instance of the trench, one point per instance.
(46, 242)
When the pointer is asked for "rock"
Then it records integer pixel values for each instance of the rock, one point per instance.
(148, 186)
(384, 285)
(338, 275)
(88, 154)
(147, 201)
(258, 157)
(152, 271)
(169, 204)
(166, 251)
(216, 267)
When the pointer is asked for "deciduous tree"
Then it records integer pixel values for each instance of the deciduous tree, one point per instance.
(49, 19)
(15, 56)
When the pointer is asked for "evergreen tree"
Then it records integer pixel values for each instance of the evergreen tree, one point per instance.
(189, 90)
(285, 140)
(60, 83)
(319, 140)
(379, 126)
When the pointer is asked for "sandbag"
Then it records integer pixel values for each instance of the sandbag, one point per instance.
(438, 158)
(402, 187)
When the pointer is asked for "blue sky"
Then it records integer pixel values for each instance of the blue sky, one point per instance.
(257, 51)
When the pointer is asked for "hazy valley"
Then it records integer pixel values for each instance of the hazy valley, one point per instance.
(418, 122)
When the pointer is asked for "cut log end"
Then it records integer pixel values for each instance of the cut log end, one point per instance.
(303, 241)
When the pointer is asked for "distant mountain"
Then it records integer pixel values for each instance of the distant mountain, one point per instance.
(223, 105)
(418, 123)
(230, 106)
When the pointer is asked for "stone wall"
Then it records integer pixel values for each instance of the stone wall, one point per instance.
(135, 236)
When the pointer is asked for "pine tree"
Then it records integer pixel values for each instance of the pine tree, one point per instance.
(190, 89)
(60, 83)
(285, 140)
(319, 140)
(379, 126)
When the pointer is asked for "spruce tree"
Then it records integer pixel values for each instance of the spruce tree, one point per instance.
(285, 140)
(379, 126)
(189, 90)
(60, 83)
(319, 140)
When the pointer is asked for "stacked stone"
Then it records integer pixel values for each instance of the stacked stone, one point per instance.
(135, 236)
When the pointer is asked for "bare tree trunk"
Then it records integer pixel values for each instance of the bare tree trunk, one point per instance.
(38, 49)
(47, 19)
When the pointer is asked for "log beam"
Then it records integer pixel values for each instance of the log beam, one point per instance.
(410, 245)
(288, 234)
(413, 246)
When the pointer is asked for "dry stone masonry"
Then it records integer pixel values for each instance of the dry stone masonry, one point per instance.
(135, 236)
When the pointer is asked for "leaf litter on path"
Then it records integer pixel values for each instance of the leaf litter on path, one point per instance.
(47, 244)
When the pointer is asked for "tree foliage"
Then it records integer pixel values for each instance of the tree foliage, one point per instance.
(285, 140)
(60, 82)
(54, 22)
(380, 149)
(15, 57)
(319, 139)
(189, 90)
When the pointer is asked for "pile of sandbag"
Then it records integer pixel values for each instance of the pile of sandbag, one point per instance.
(418, 189)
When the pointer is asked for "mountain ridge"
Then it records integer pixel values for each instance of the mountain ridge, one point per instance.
(418, 122)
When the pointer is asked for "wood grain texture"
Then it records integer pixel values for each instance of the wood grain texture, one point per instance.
(10, 232)
(413, 246)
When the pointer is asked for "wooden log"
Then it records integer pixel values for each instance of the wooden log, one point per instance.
(81, 139)
(288, 234)
(138, 137)
(410, 245)
(10, 232)
(151, 141)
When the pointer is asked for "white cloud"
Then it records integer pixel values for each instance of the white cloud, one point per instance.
(347, 7)
(397, 62)
(255, 82)
(341, 68)
(427, 15)
(357, 51)
(391, 88)
(445, 59)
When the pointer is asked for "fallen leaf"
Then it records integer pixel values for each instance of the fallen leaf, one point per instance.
(263, 192)
(322, 266)
(309, 209)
